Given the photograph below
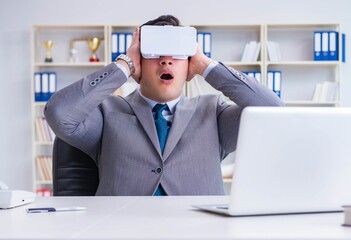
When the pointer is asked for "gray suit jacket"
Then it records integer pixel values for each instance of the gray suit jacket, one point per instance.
(120, 135)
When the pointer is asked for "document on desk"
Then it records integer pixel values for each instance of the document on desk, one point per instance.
(52, 209)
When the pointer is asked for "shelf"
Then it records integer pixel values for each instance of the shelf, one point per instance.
(243, 63)
(311, 26)
(43, 143)
(39, 104)
(42, 182)
(304, 63)
(67, 64)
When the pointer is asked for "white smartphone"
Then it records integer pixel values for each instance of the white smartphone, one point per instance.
(178, 42)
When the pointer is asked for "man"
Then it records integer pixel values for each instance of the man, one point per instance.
(137, 157)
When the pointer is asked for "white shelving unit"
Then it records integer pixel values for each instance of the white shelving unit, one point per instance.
(67, 72)
(228, 43)
(300, 73)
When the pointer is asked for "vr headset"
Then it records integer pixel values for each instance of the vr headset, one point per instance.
(177, 42)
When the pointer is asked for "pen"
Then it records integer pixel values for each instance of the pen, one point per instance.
(51, 209)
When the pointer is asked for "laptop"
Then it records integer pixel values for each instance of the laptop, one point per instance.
(290, 160)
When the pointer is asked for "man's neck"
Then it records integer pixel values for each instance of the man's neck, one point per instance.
(171, 103)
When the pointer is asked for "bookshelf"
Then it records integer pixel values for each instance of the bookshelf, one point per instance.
(300, 73)
(228, 43)
(114, 49)
(68, 68)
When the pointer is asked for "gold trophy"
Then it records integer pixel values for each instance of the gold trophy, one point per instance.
(94, 44)
(48, 45)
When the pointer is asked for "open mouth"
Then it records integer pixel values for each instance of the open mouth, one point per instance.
(166, 76)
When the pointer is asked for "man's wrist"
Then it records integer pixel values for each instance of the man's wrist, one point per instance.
(127, 62)
(124, 67)
(209, 67)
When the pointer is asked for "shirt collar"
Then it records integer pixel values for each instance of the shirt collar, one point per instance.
(171, 104)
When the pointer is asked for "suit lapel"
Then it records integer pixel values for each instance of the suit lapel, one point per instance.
(184, 111)
(144, 114)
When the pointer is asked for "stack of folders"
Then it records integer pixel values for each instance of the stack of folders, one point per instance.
(325, 92)
(44, 166)
(273, 50)
(120, 42)
(274, 81)
(326, 46)
(347, 215)
(204, 40)
(254, 74)
(251, 51)
(44, 85)
(43, 132)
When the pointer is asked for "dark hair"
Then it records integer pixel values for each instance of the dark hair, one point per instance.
(164, 20)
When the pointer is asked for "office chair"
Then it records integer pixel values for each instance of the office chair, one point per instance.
(74, 172)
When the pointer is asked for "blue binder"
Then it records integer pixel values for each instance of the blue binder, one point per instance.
(208, 44)
(325, 46)
(254, 74)
(37, 87)
(204, 40)
(277, 82)
(45, 86)
(343, 42)
(333, 46)
(114, 46)
(317, 43)
(120, 42)
(52, 83)
(274, 81)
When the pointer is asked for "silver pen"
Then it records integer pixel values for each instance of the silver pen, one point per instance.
(52, 209)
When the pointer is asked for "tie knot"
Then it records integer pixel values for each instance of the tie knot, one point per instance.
(158, 108)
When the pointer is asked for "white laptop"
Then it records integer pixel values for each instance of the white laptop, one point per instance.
(290, 160)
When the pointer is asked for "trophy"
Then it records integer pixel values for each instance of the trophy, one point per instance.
(94, 44)
(48, 45)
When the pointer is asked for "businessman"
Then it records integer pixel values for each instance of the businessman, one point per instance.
(156, 141)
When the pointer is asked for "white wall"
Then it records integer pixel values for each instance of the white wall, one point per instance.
(17, 17)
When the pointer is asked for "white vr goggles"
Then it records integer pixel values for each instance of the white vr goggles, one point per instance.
(177, 42)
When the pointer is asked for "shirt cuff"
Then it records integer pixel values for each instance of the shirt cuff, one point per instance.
(123, 68)
(211, 66)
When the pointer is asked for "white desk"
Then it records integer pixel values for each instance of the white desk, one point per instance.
(159, 218)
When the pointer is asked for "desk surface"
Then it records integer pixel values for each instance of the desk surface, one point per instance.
(159, 218)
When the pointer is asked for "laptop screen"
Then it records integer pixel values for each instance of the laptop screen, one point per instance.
(292, 160)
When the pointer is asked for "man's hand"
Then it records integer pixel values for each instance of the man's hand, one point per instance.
(198, 64)
(134, 53)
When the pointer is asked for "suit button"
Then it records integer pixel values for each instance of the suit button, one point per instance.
(158, 170)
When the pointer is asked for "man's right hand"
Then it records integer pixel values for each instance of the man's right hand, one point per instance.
(134, 53)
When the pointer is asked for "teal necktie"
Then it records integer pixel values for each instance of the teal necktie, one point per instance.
(162, 128)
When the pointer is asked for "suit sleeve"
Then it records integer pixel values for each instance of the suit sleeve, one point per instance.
(243, 91)
(74, 112)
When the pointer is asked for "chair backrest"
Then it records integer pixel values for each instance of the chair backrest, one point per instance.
(74, 172)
